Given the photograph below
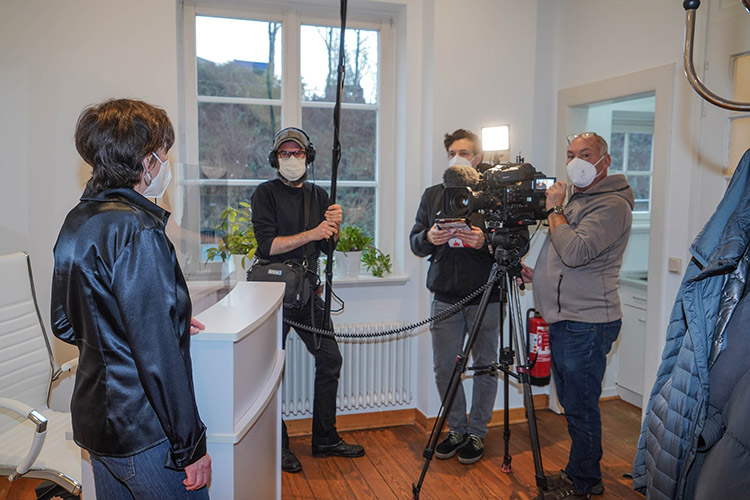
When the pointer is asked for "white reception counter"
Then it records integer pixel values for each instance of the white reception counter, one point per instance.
(237, 368)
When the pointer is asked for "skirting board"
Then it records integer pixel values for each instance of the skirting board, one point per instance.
(376, 420)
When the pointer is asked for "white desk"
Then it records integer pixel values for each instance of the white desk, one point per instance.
(237, 367)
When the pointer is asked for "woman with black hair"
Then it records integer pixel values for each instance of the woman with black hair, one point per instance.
(119, 295)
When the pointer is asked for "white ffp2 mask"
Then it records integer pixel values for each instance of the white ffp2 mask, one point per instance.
(459, 161)
(292, 168)
(158, 185)
(581, 172)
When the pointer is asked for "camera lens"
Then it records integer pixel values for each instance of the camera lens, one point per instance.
(459, 204)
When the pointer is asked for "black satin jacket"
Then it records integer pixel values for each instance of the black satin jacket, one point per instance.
(118, 293)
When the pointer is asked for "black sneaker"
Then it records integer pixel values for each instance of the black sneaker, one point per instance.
(472, 451)
(564, 489)
(555, 479)
(450, 445)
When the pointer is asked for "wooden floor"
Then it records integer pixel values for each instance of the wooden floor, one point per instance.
(394, 461)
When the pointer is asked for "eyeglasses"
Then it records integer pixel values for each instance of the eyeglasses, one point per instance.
(582, 135)
(300, 153)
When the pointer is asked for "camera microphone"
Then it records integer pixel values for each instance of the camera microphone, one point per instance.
(459, 176)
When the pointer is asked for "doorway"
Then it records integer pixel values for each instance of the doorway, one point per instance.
(633, 113)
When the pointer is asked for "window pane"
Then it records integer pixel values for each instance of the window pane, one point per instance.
(639, 152)
(238, 58)
(214, 199)
(357, 138)
(616, 148)
(234, 140)
(320, 59)
(641, 185)
(741, 79)
(641, 206)
(739, 141)
(358, 205)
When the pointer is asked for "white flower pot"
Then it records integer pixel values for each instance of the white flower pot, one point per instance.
(348, 264)
(239, 271)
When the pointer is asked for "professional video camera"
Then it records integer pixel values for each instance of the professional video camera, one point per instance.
(509, 195)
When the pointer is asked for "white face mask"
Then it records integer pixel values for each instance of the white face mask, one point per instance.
(158, 185)
(459, 160)
(581, 172)
(292, 168)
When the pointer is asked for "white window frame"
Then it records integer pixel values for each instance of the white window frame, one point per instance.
(292, 17)
(629, 129)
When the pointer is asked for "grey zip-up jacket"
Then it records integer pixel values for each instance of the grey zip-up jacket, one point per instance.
(575, 277)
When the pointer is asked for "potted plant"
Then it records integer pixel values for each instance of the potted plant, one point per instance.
(377, 262)
(354, 248)
(237, 238)
(352, 241)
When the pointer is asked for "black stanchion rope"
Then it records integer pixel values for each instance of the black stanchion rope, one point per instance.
(395, 332)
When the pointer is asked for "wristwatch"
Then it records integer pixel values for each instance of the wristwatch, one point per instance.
(557, 209)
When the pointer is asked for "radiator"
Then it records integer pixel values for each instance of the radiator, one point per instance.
(375, 373)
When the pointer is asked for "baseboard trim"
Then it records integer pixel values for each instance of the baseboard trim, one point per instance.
(411, 416)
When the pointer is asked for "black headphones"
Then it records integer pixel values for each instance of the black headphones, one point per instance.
(273, 155)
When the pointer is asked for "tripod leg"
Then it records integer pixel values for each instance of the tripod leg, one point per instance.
(450, 393)
(521, 350)
(506, 360)
(506, 467)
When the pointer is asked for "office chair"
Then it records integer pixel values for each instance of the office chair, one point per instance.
(35, 442)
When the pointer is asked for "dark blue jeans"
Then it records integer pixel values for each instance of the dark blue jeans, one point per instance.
(579, 358)
(141, 477)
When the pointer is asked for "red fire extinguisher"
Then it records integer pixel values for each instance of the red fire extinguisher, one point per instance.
(540, 356)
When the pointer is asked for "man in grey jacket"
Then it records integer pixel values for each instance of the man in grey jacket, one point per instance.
(575, 289)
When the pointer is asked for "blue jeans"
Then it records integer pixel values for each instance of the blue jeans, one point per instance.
(141, 477)
(448, 338)
(579, 358)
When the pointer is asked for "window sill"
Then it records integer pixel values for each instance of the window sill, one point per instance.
(365, 280)
(209, 290)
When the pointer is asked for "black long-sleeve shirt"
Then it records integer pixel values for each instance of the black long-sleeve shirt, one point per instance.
(278, 210)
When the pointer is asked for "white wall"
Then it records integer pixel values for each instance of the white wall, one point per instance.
(464, 64)
(59, 57)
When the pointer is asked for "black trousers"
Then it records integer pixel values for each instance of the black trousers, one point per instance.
(327, 371)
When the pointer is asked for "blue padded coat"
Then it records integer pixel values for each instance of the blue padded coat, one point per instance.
(678, 403)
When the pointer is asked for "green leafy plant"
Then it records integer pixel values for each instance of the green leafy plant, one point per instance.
(377, 262)
(353, 239)
(236, 233)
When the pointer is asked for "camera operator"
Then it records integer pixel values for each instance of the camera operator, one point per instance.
(280, 220)
(460, 262)
(575, 289)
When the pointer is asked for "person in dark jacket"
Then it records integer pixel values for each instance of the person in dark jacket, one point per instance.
(288, 230)
(119, 295)
(460, 263)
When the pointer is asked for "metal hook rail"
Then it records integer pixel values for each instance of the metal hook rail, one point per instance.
(691, 6)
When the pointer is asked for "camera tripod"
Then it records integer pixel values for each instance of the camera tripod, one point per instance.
(505, 270)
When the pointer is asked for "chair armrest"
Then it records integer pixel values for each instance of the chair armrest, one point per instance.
(39, 421)
(69, 365)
